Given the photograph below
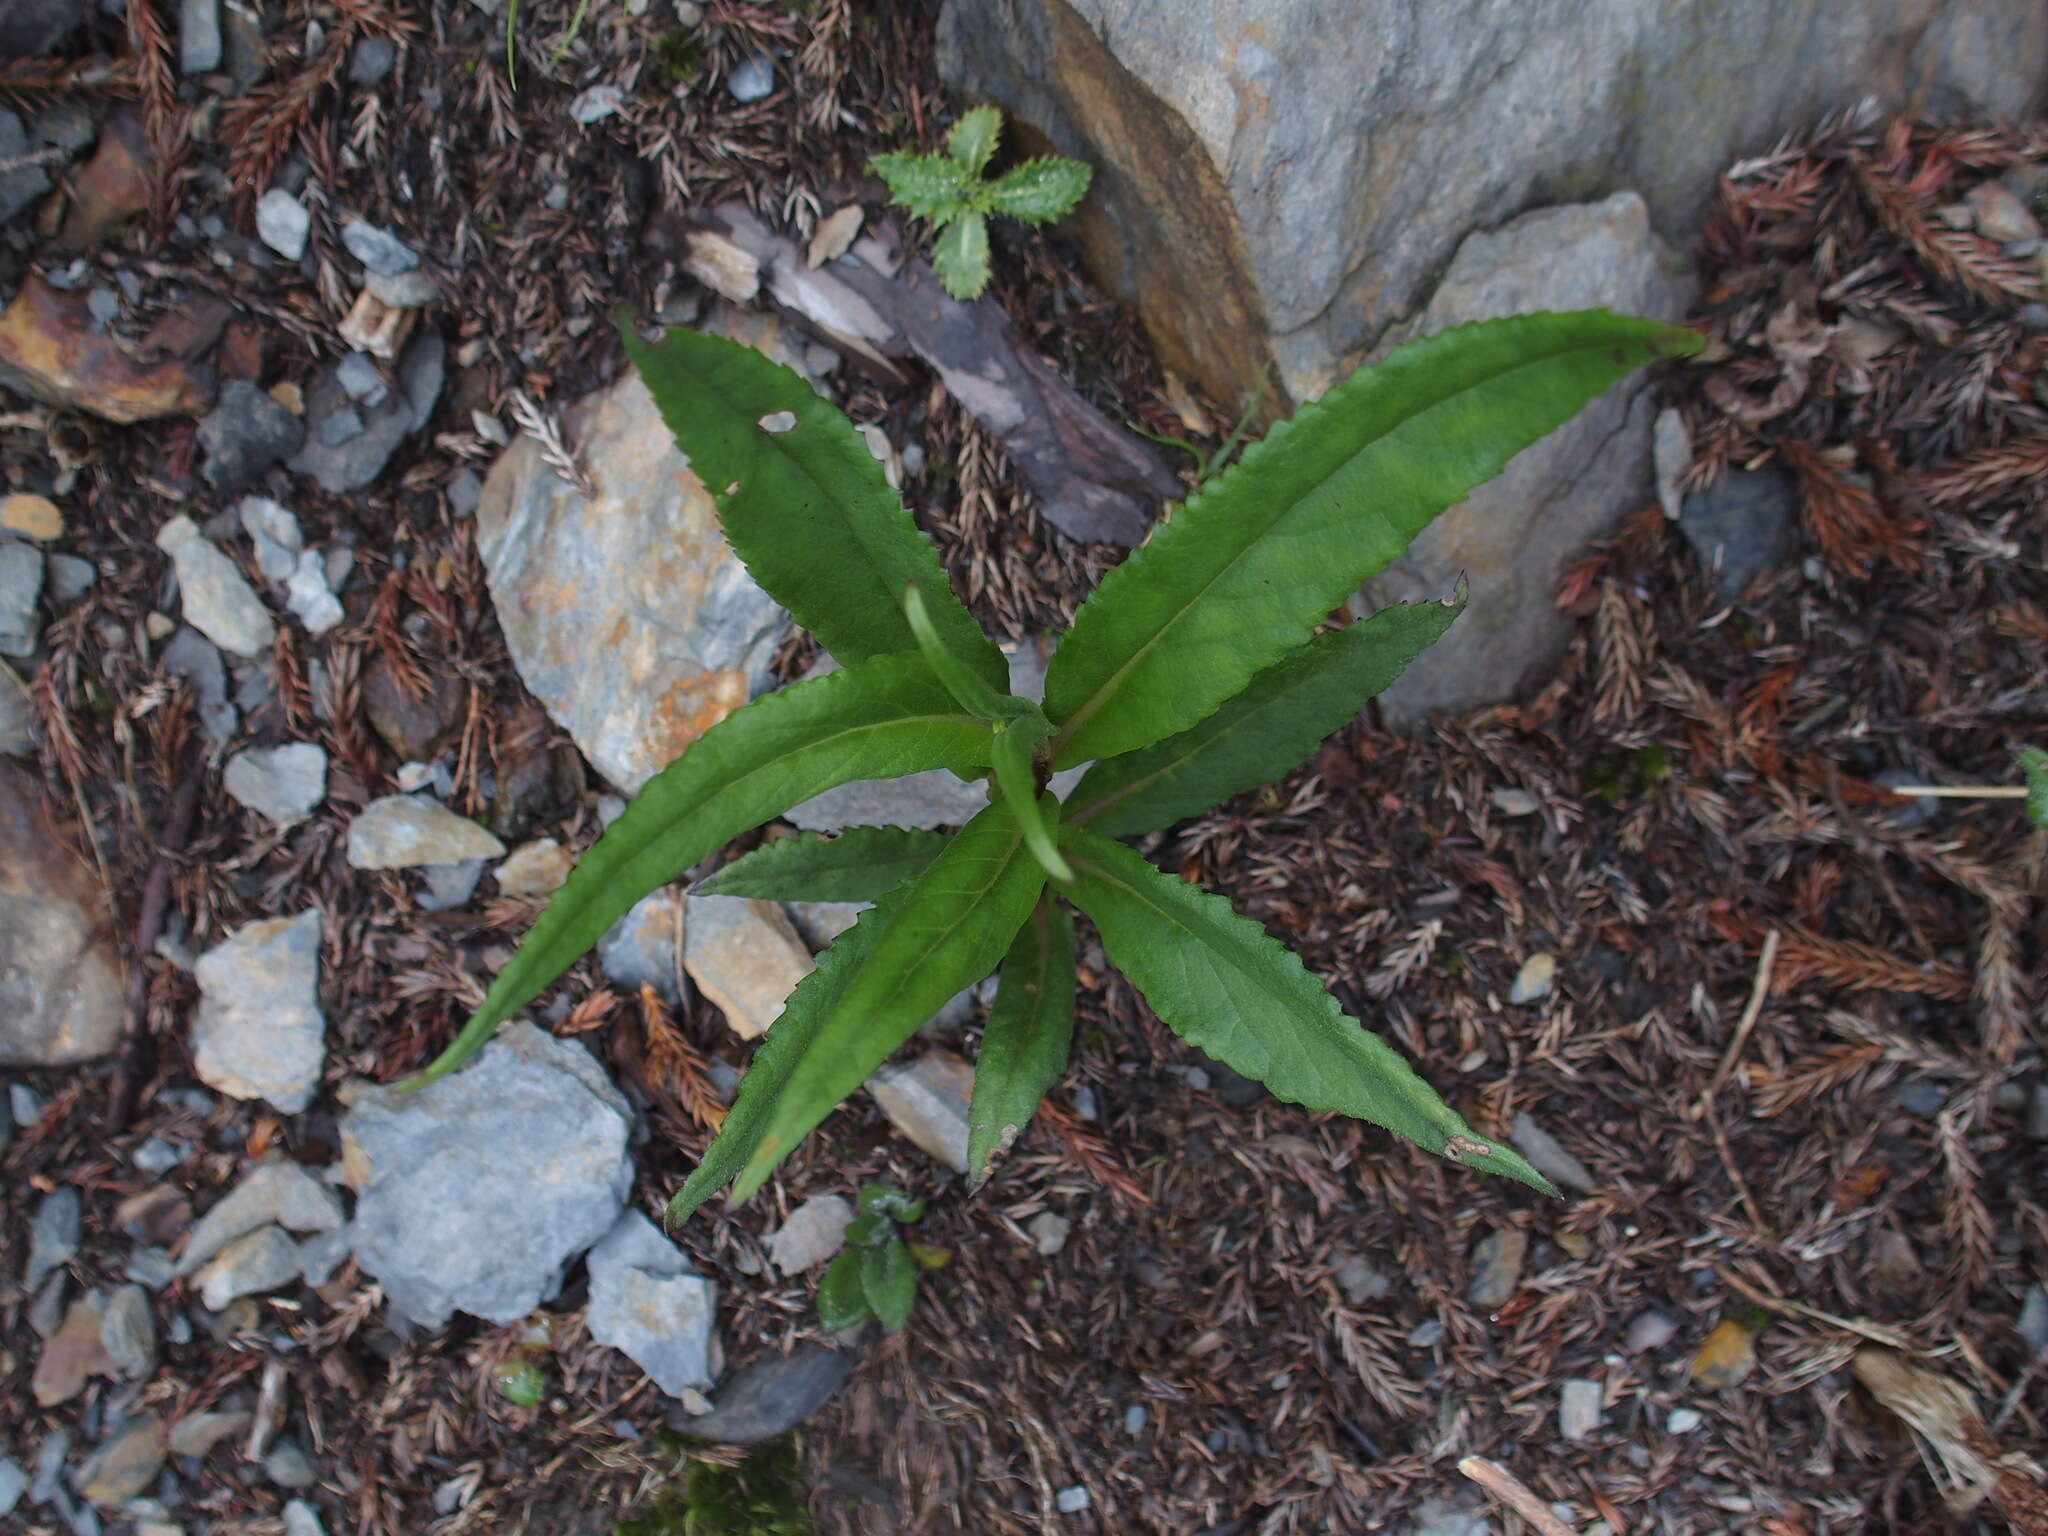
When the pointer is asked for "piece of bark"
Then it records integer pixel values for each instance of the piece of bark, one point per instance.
(878, 302)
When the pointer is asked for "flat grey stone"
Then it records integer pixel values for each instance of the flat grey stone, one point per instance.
(122, 1466)
(199, 40)
(1744, 524)
(1510, 538)
(320, 1256)
(371, 60)
(217, 599)
(752, 80)
(1497, 1268)
(258, 1261)
(128, 1333)
(21, 583)
(13, 1484)
(274, 534)
(198, 1433)
(534, 869)
(934, 798)
(745, 957)
(408, 290)
(378, 249)
(351, 465)
(283, 224)
(1547, 1155)
(309, 598)
(24, 184)
(815, 1231)
(196, 659)
(530, 1138)
(1578, 1409)
(770, 1397)
(17, 715)
(67, 578)
(283, 783)
(644, 948)
(300, 1519)
(927, 1101)
(408, 831)
(360, 378)
(277, 1193)
(287, 1466)
(244, 434)
(52, 1234)
(645, 1304)
(627, 614)
(338, 428)
(151, 1268)
(259, 1031)
(450, 885)
(61, 980)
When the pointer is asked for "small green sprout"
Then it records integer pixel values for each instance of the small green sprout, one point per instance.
(948, 191)
(877, 1274)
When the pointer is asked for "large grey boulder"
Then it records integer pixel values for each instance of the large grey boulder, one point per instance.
(1511, 537)
(477, 1192)
(626, 612)
(1278, 180)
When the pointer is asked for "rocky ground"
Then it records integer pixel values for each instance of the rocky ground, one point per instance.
(342, 592)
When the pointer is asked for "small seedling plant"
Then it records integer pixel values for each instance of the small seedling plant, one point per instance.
(1200, 667)
(951, 192)
(877, 1274)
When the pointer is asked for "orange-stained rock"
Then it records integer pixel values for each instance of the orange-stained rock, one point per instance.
(627, 613)
(50, 349)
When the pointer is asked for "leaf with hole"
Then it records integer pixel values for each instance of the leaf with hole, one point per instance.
(807, 508)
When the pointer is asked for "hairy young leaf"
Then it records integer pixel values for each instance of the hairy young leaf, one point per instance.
(852, 864)
(807, 508)
(842, 1299)
(1245, 570)
(880, 719)
(960, 256)
(1011, 757)
(973, 140)
(886, 975)
(889, 1281)
(933, 187)
(1039, 191)
(2034, 768)
(1030, 1030)
(1220, 981)
(1263, 732)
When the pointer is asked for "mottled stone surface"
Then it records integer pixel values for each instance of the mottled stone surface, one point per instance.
(259, 1032)
(1510, 538)
(409, 831)
(927, 1101)
(745, 957)
(645, 1303)
(1303, 170)
(60, 978)
(476, 1192)
(627, 613)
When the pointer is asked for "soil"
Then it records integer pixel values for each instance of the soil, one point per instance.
(1856, 1168)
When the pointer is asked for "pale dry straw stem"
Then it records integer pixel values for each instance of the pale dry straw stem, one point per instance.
(1513, 1492)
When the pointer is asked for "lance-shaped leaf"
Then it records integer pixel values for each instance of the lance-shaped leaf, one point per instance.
(802, 500)
(1263, 732)
(881, 719)
(966, 685)
(852, 864)
(842, 1301)
(1219, 980)
(888, 1279)
(960, 256)
(1243, 573)
(1030, 1030)
(884, 977)
(1039, 191)
(972, 141)
(1012, 759)
(932, 187)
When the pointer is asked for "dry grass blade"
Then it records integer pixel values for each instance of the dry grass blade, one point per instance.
(1941, 1414)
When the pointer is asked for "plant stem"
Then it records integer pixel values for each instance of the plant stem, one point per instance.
(1964, 791)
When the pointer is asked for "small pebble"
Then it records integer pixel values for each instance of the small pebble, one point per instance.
(1533, 980)
(1548, 1156)
(36, 517)
(1049, 1232)
(2034, 1318)
(1497, 1268)
(52, 1234)
(283, 224)
(299, 1520)
(158, 1156)
(1071, 1501)
(288, 1466)
(1427, 1335)
(754, 79)
(1649, 1330)
(1134, 1419)
(1515, 802)
(1084, 1104)
(378, 249)
(1578, 1408)
(596, 104)
(1683, 1421)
